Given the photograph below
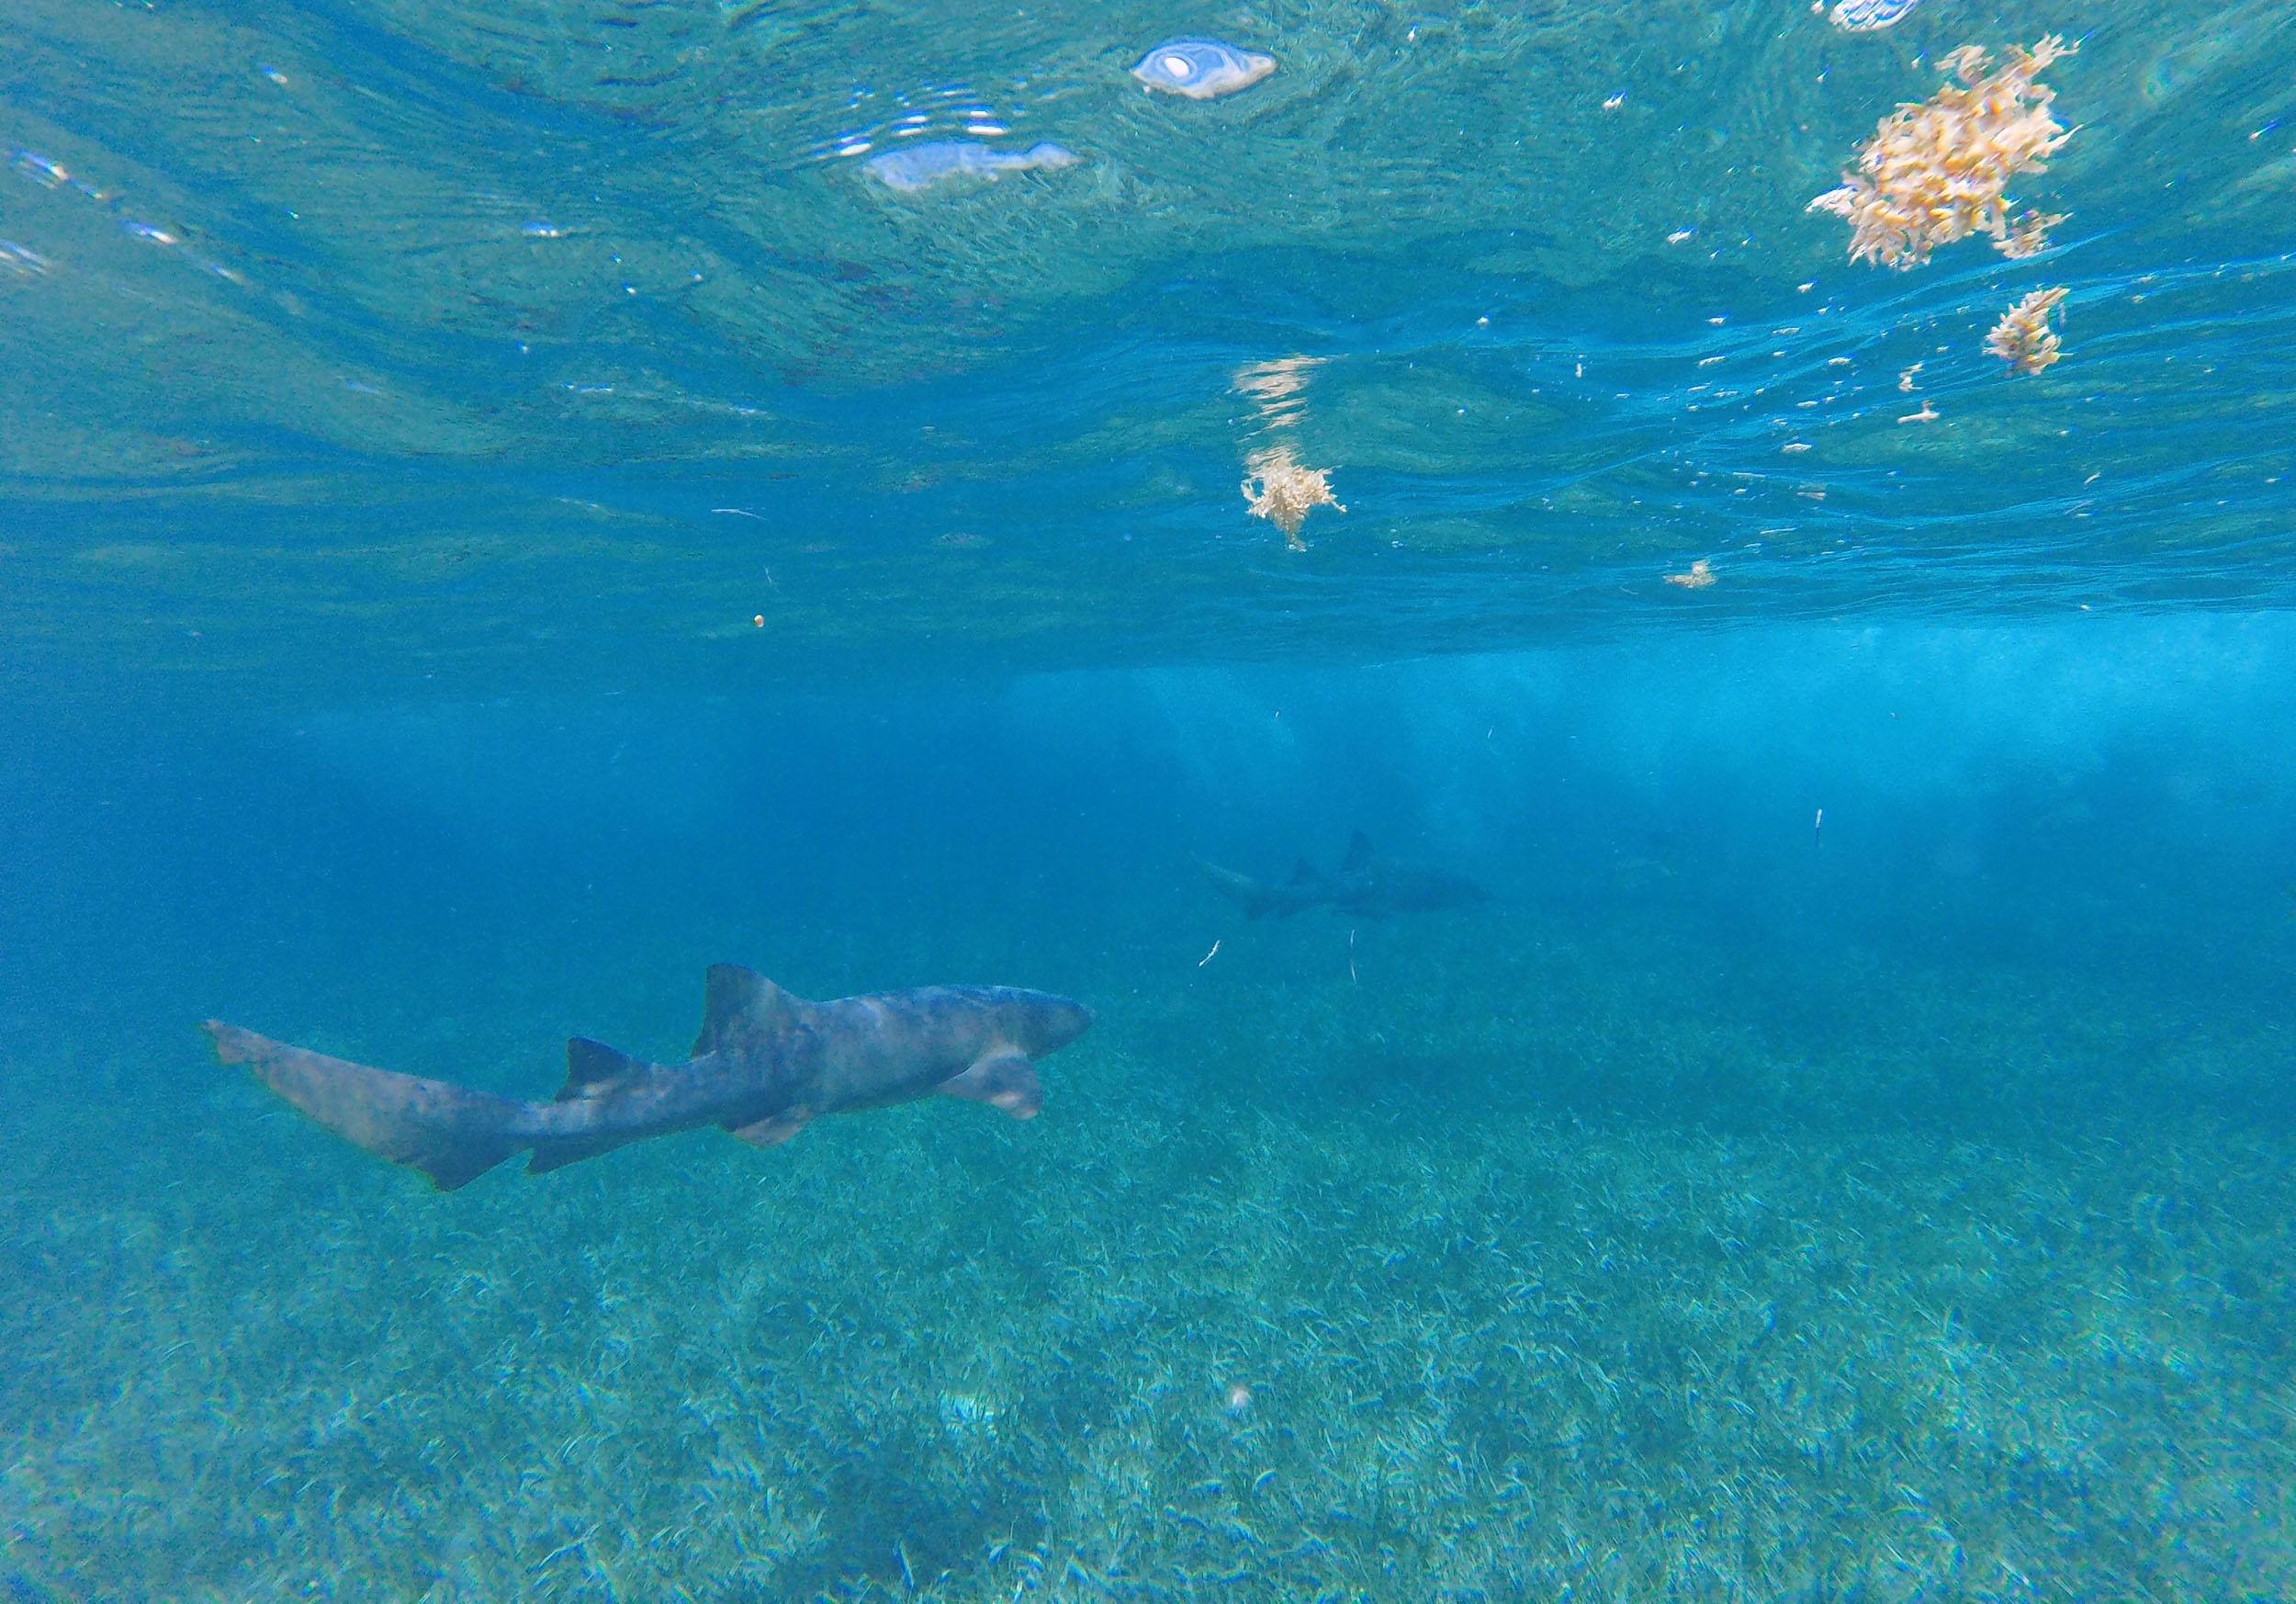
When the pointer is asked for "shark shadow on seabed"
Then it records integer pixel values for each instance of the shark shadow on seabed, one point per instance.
(1366, 884)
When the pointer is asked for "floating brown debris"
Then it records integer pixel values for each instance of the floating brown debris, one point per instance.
(2029, 236)
(1936, 172)
(1286, 491)
(1700, 576)
(2024, 338)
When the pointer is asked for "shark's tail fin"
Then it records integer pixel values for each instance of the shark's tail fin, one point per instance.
(1257, 897)
(451, 1133)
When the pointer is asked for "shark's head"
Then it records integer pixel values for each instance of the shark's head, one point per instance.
(1038, 1022)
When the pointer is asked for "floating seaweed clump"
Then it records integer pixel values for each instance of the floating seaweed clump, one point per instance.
(2024, 338)
(1936, 172)
(1286, 491)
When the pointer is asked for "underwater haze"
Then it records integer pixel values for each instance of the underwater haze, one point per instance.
(1641, 659)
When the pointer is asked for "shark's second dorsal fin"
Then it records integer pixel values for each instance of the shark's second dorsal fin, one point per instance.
(742, 1008)
(1358, 852)
(592, 1067)
(1302, 872)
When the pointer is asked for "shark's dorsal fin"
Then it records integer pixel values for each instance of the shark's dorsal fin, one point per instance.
(1358, 852)
(593, 1066)
(1302, 872)
(742, 1009)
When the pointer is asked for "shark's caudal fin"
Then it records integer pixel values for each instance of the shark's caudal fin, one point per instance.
(1256, 897)
(450, 1132)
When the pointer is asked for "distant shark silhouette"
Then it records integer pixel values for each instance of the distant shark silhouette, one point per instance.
(766, 1063)
(1365, 884)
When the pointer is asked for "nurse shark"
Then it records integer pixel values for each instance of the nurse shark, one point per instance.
(1365, 884)
(766, 1064)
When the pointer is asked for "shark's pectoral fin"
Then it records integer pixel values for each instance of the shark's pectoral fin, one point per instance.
(1006, 1080)
(773, 1131)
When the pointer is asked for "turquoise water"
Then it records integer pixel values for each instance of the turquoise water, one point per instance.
(499, 511)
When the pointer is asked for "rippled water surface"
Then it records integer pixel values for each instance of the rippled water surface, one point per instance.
(429, 322)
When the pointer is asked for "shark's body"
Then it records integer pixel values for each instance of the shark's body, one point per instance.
(765, 1065)
(1366, 884)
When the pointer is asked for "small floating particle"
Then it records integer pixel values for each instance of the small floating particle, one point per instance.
(273, 73)
(919, 167)
(1679, 235)
(1239, 1399)
(758, 622)
(1928, 414)
(1792, 446)
(1201, 69)
(42, 170)
(1905, 379)
(1869, 15)
(1615, 101)
(542, 231)
(1700, 576)
(2024, 338)
(158, 236)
